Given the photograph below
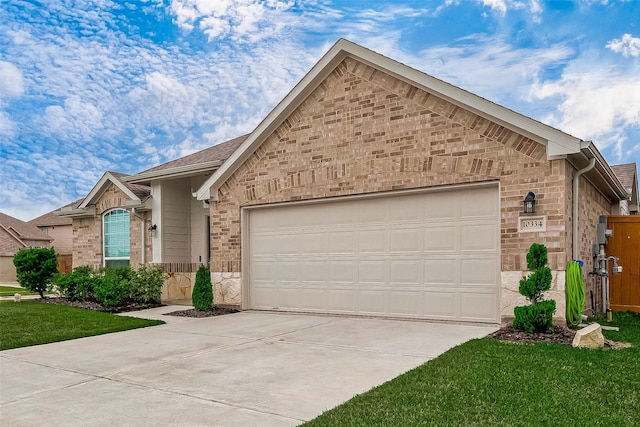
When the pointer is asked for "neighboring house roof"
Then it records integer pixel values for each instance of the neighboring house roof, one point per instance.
(206, 160)
(628, 175)
(558, 144)
(51, 219)
(136, 192)
(16, 234)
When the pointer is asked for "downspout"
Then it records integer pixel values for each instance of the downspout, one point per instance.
(576, 204)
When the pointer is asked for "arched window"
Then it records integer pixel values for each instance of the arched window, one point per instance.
(116, 238)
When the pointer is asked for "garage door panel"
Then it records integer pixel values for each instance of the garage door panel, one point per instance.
(372, 241)
(441, 238)
(479, 237)
(314, 270)
(440, 303)
(372, 271)
(478, 305)
(343, 300)
(310, 243)
(372, 301)
(406, 271)
(479, 202)
(440, 270)
(429, 255)
(479, 271)
(343, 242)
(345, 271)
(405, 240)
(405, 302)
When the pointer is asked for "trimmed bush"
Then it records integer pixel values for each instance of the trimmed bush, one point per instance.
(202, 295)
(35, 268)
(113, 290)
(537, 317)
(146, 284)
(78, 285)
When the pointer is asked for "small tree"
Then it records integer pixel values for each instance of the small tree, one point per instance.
(537, 317)
(202, 295)
(35, 268)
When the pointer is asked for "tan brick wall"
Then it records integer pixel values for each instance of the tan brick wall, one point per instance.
(362, 131)
(592, 205)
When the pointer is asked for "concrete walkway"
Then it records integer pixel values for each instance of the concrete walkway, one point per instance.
(249, 368)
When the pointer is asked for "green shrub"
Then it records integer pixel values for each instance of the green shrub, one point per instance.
(114, 288)
(537, 317)
(146, 284)
(202, 295)
(35, 268)
(78, 285)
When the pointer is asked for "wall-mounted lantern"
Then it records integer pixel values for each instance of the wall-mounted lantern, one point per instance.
(529, 203)
(152, 229)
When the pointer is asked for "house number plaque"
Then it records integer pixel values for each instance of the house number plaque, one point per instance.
(528, 224)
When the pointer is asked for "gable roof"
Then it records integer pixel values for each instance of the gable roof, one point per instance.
(16, 234)
(138, 194)
(558, 144)
(205, 160)
(52, 219)
(628, 175)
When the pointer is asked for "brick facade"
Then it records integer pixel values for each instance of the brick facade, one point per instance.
(87, 232)
(364, 131)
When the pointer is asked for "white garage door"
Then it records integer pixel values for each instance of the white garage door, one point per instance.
(428, 255)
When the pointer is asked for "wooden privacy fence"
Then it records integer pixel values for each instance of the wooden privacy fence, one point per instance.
(625, 244)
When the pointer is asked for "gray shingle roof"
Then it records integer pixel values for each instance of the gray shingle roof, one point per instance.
(626, 173)
(23, 230)
(141, 191)
(219, 152)
(51, 219)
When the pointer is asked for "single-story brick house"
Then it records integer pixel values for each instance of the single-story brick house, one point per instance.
(15, 235)
(372, 188)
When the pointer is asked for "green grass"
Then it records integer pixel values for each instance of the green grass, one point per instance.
(9, 291)
(485, 382)
(30, 323)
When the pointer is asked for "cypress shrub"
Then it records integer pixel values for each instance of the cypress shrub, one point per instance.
(202, 295)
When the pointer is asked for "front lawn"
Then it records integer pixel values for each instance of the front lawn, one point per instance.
(30, 323)
(9, 291)
(485, 382)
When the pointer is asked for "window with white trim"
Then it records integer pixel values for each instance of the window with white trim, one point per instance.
(115, 233)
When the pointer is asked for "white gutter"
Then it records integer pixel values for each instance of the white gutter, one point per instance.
(576, 204)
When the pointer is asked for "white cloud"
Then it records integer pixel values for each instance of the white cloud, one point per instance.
(238, 19)
(11, 80)
(603, 105)
(627, 45)
(7, 126)
(75, 121)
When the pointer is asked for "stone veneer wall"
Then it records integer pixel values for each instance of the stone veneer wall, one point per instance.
(364, 131)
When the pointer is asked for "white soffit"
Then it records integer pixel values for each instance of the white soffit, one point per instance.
(557, 142)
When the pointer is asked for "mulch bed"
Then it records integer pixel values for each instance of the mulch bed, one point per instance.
(557, 335)
(88, 305)
(216, 311)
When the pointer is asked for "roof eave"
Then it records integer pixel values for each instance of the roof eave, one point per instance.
(172, 173)
(89, 211)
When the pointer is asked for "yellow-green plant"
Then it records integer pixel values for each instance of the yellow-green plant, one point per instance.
(574, 291)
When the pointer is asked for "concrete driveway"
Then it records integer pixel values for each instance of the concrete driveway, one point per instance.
(249, 368)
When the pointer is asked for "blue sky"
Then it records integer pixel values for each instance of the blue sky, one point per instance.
(89, 86)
